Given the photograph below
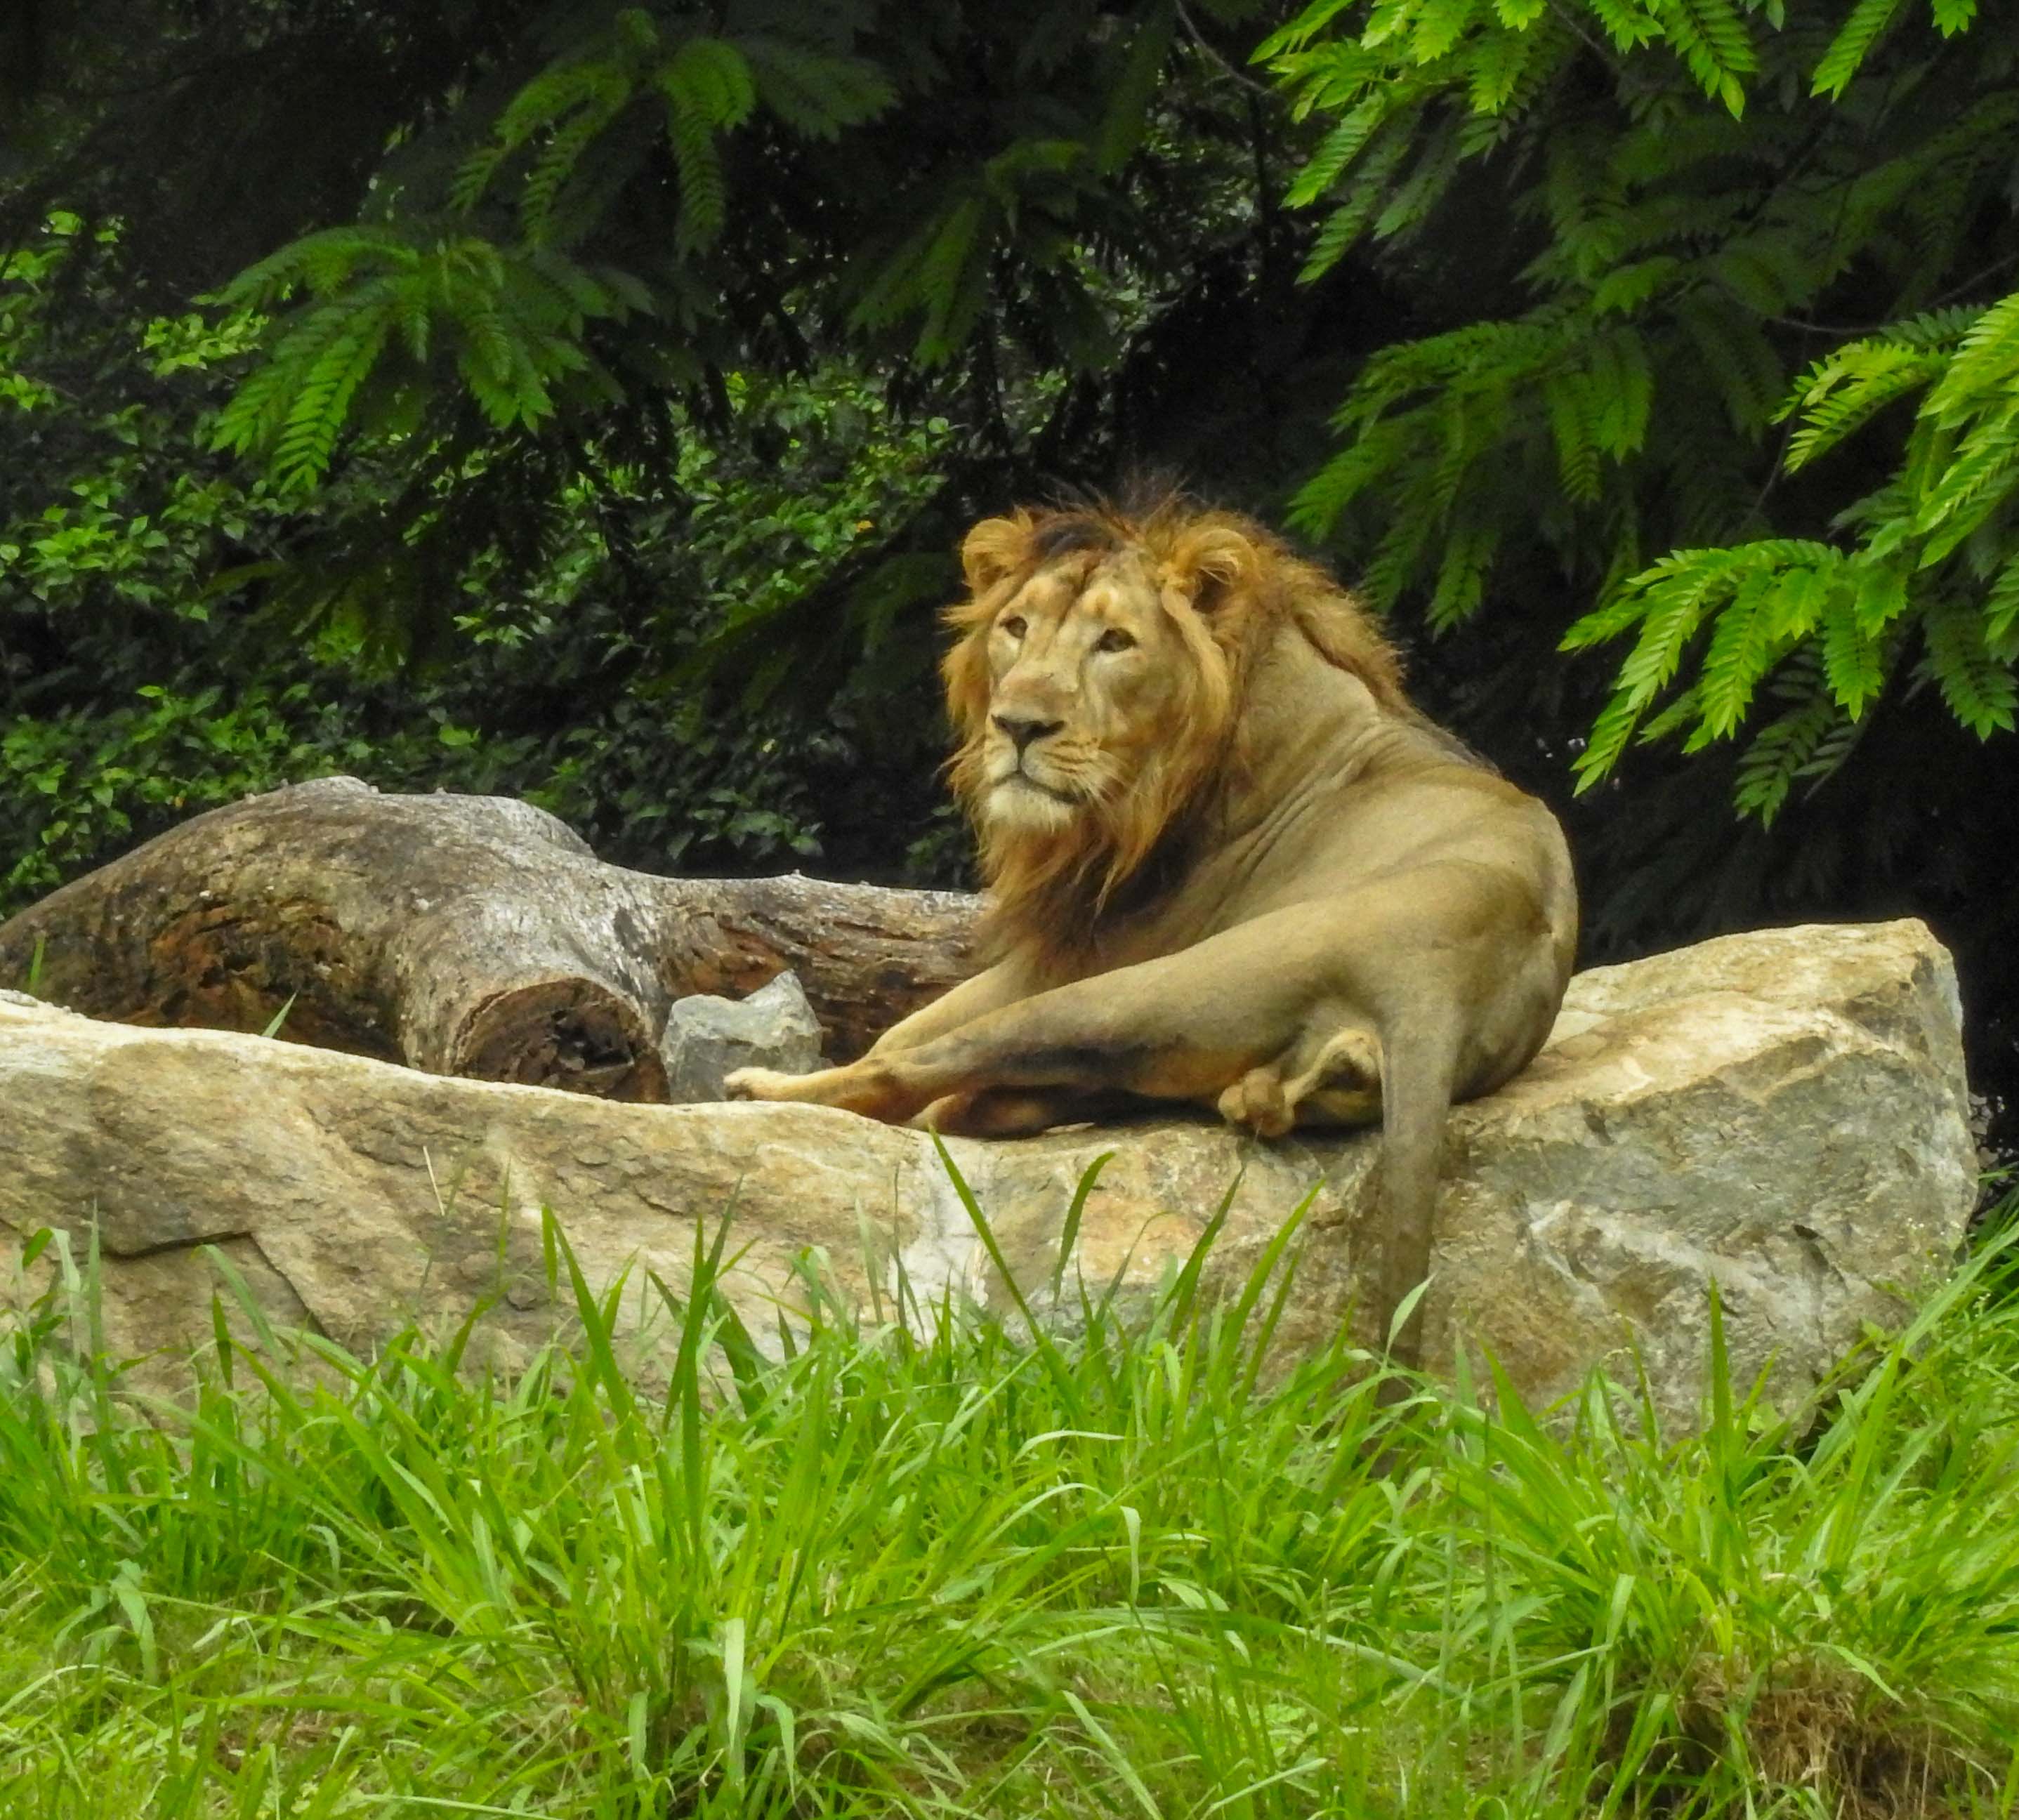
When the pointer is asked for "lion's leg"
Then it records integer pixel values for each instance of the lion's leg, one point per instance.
(989, 990)
(1458, 985)
(1183, 1026)
(1022, 1112)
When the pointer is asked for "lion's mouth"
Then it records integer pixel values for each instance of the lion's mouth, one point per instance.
(1022, 779)
(1018, 801)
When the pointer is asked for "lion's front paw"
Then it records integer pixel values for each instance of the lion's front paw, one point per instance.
(760, 1084)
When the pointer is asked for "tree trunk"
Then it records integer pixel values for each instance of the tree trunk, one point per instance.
(465, 935)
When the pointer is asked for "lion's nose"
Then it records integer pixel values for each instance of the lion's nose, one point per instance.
(1021, 731)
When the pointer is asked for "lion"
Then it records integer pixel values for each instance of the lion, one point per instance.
(1228, 864)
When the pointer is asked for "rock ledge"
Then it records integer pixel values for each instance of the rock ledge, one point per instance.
(1785, 1112)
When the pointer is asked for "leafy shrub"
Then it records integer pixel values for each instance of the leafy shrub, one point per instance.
(1694, 197)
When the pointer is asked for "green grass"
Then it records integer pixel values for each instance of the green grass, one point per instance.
(1141, 1573)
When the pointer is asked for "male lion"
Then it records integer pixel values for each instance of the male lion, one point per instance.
(1229, 863)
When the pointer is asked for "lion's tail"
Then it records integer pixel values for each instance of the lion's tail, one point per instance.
(1419, 1074)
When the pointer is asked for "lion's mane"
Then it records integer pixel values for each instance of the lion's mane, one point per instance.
(1229, 585)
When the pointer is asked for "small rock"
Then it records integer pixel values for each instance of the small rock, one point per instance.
(706, 1038)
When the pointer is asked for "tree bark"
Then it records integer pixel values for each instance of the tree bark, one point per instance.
(465, 935)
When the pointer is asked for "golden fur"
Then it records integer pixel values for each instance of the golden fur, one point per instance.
(1229, 865)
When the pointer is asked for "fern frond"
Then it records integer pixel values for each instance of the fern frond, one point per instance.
(1851, 46)
(514, 322)
(319, 262)
(1349, 223)
(816, 95)
(1411, 200)
(1626, 288)
(1620, 609)
(1672, 597)
(1979, 689)
(712, 77)
(1846, 390)
(1737, 357)
(1629, 26)
(1623, 388)
(1781, 750)
(1300, 30)
(473, 176)
(315, 414)
(1380, 449)
(1461, 583)
(2001, 613)
(1609, 733)
(704, 192)
(1567, 397)
(1742, 650)
(1395, 558)
(1438, 26)
(558, 158)
(1976, 482)
(554, 92)
(1879, 596)
(950, 281)
(1985, 362)
(1936, 328)
(1332, 77)
(1852, 664)
(1338, 148)
(253, 416)
(1711, 37)
(1678, 714)
(1796, 606)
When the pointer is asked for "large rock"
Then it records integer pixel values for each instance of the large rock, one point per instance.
(1783, 1112)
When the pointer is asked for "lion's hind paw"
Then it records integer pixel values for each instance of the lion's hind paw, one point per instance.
(1257, 1100)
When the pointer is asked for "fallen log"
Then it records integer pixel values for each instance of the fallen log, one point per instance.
(475, 936)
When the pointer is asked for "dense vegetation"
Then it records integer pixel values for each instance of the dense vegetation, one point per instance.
(581, 401)
(941, 1572)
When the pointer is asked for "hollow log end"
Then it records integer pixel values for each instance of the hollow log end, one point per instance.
(571, 1034)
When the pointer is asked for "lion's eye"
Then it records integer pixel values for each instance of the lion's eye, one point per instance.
(1014, 625)
(1114, 639)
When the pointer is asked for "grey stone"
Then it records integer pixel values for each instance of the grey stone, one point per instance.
(707, 1037)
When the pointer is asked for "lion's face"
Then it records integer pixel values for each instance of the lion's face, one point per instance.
(1086, 673)
(1098, 683)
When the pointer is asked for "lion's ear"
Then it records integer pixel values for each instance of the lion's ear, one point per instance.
(996, 548)
(1211, 565)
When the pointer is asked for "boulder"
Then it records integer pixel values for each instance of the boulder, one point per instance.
(707, 1038)
(1782, 1113)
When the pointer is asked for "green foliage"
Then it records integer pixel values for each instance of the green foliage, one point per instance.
(510, 318)
(1932, 554)
(512, 323)
(149, 668)
(789, 166)
(1698, 190)
(603, 275)
(856, 1564)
